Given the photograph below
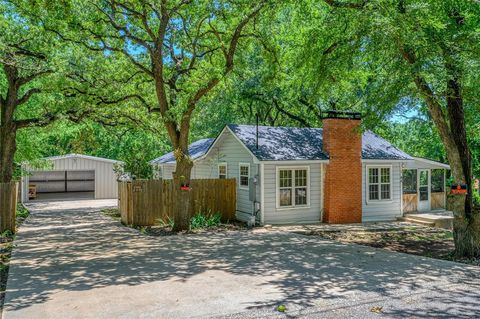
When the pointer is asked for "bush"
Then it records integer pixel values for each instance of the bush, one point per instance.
(200, 220)
(22, 213)
(476, 198)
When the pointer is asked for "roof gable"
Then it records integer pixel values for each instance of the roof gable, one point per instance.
(196, 150)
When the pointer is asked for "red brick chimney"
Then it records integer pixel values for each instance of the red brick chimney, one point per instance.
(342, 140)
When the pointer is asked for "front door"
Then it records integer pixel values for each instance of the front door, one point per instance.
(423, 190)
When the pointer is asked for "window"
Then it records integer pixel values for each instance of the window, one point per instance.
(409, 181)
(437, 181)
(292, 187)
(244, 175)
(222, 171)
(379, 183)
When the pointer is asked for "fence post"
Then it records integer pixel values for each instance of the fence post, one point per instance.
(8, 206)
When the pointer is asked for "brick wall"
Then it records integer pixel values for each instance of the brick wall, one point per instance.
(342, 140)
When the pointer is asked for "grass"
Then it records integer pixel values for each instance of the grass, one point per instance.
(113, 213)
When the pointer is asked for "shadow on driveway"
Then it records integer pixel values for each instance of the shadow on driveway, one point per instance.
(81, 263)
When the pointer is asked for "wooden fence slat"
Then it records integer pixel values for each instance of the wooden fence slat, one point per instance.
(8, 206)
(438, 200)
(409, 203)
(145, 202)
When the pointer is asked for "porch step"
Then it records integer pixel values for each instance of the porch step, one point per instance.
(416, 221)
(438, 220)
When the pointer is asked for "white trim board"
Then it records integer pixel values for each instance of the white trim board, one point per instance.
(367, 189)
(430, 162)
(93, 158)
(277, 187)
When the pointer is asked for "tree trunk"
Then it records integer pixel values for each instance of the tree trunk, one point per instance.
(183, 205)
(8, 148)
(466, 224)
(466, 231)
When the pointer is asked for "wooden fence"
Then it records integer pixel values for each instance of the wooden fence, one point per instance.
(8, 206)
(145, 202)
(409, 203)
(438, 200)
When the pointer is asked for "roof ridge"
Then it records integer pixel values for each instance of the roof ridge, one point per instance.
(270, 126)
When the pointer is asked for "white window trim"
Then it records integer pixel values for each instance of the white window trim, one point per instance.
(277, 187)
(367, 189)
(226, 169)
(240, 186)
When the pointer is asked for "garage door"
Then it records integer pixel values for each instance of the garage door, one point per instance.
(63, 181)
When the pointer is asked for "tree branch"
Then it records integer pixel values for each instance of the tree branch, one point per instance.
(28, 95)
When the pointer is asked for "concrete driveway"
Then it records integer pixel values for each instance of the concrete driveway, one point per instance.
(70, 261)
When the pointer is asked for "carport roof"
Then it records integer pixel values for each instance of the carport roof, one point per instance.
(73, 155)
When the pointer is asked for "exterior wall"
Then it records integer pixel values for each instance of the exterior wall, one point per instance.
(383, 210)
(343, 179)
(311, 214)
(105, 178)
(227, 150)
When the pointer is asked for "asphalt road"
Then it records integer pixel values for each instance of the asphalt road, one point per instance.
(70, 261)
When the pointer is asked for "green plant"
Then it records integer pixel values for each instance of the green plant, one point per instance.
(476, 198)
(202, 220)
(6, 234)
(22, 213)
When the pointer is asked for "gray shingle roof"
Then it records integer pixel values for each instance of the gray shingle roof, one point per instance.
(282, 143)
(196, 150)
(289, 143)
(375, 147)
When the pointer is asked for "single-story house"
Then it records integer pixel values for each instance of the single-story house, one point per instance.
(333, 174)
(71, 176)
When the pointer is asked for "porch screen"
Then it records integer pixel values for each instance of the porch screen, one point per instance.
(437, 181)
(410, 181)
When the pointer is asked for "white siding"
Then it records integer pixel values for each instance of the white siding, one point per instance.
(105, 178)
(383, 210)
(227, 150)
(312, 214)
(167, 171)
(232, 152)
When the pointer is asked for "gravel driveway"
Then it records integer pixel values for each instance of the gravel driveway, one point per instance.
(70, 261)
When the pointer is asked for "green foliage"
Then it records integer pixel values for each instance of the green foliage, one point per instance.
(7, 234)
(205, 220)
(476, 198)
(22, 213)
(113, 213)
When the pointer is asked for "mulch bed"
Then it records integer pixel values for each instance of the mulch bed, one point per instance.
(166, 230)
(428, 242)
(163, 230)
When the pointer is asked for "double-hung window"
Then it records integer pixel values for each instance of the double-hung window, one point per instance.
(222, 170)
(244, 175)
(379, 183)
(292, 187)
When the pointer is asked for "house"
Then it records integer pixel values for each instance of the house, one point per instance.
(304, 175)
(69, 177)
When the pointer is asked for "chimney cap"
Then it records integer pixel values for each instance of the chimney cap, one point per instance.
(332, 114)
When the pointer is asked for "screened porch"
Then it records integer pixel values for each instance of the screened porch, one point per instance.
(424, 186)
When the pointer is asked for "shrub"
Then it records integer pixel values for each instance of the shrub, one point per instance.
(22, 213)
(476, 198)
(201, 220)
